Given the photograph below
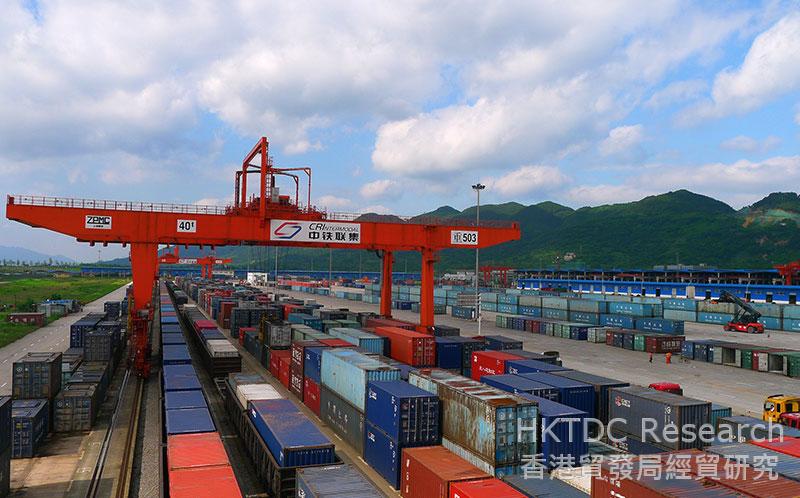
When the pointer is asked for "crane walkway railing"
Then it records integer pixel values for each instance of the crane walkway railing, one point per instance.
(160, 207)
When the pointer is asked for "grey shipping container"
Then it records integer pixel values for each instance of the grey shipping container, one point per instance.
(334, 481)
(98, 346)
(767, 460)
(632, 405)
(30, 425)
(36, 376)
(602, 387)
(741, 428)
(345, 419)
(75, 409)
(5, 422)
(542, 488)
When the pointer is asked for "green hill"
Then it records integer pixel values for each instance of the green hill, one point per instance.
(662, 229)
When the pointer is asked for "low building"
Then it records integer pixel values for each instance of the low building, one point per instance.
(26, 318)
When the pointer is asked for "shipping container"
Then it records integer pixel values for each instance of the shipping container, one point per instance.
(189, 420)
(517, 385)
(75, 407)
(494, 488)
(449, 353)
(175, 354)
(413, 348)
(572, 393)
(334, 481)
(291, 438)
(428, 472)
(311, 395)
(490, 363)
(407, 414)
(204, 482)
(362, 339)
(253, 392)
(621, 321)
(718, 411)
(741, 428)
(343, 418)
(347, 373)
(500, 343)
(482, 419)
(29, 420)
(517, 367)
(545, 487)
(632, 404)
(787, 446)
(760, 457)
(382, 453)
(36, 376)
(180, 378)
(312, 366)
(176, 400)
(446, 331)
(660, 325)
(190, 451)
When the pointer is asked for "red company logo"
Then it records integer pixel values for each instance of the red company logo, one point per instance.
(618, 401)
(287, 230)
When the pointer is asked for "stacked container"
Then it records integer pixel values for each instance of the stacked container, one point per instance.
(480, 423)
(398, 416)
(412, 348)
(490, 363)
(334, 481)
(571, 392)
(5, 445)
(429, 472)
(30, 420)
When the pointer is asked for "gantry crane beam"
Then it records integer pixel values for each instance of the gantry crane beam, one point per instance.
(206, 263)
(265, 219)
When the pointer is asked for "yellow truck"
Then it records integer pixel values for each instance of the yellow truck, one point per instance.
(777, 405)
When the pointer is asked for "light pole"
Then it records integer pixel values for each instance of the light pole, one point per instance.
(477, 188)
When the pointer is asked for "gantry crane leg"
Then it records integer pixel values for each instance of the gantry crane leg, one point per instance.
(386, 284)
(429, 257)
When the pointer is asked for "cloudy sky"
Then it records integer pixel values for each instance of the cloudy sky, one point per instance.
(397, 106)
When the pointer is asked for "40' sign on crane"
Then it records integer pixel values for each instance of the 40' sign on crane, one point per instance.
(265, 217)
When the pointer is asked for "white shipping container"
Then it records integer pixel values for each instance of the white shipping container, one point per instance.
(221, 348)
(255, 392)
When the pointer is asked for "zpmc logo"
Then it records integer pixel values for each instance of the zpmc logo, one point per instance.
(287, 230)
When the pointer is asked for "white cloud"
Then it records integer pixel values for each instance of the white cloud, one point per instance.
(677, 92)
(331, 201)
(770, 69)
(527, 179)
(744, 143)
(622, 139)
(375, 208)
(797, 116)
(212, 201)
(380, 189)
(594, 195)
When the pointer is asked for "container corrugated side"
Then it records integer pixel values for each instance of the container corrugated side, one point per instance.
(345, 419)
(427, 472)
(292, 438)
(205, 481)
(189, 420)
(186, 451)
(348, 372)
(408, 414)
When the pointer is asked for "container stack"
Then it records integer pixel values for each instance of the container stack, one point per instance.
(479, 423)
(30, 419)
(38, 376)
(398, 416)
(5, 445)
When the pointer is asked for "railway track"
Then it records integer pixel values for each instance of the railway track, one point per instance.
(123, 445)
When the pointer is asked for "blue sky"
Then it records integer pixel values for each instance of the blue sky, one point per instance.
(398, 107)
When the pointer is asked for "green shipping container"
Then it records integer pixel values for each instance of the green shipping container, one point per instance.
(639, 341)
(793, 365)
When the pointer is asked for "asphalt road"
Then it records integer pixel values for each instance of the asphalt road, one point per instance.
(742, 390)
(50, 338)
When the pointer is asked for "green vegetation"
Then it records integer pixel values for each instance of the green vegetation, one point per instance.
(22, 294)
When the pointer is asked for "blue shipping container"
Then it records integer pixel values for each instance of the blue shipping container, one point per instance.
(211, 334)
(501, 342)
(347, 373)
(180, 380)
(621, 321)
(664, 326)
(29, 422)
(558, 423)
(175, 354)
(382, 454)
(527, 366)
(178, 400)
(516, 385)
(573, 393)
(312, 366)
(407, 414)
(189, 420)
(292, 438)
(449, 353)
(533, 311)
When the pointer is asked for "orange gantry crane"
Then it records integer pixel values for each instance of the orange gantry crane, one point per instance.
(206, 263)
(263, 218)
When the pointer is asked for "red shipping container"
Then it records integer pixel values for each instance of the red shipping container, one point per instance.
(609, 337)
(335, 343)
(289, 308)
(298, 353)
(206, 482)
(388, 322)
(311, 395)
(412, 348)
(186, 451)
(204, 325)
(533, 326)
(428, 472)
(242, 330)
(789, 445)
(296, 384)
(663, 344)
(224, 314)
(490, 363)
(608, 485)
(487, 488)
(280, 365)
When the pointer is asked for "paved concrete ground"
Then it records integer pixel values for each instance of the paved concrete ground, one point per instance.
(743, 390)
(52, 337)
(65, 461)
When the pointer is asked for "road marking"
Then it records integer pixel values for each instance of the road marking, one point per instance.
(3, 385)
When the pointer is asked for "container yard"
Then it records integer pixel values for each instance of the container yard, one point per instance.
(550, 258)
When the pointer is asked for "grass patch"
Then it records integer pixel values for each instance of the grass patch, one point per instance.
(18, 295)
